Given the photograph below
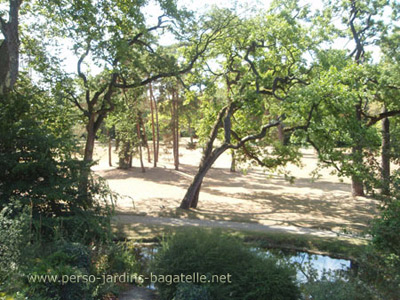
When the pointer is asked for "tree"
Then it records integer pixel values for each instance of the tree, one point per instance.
(355, 93)
(114, 36)
(9, 47)
(260, 63)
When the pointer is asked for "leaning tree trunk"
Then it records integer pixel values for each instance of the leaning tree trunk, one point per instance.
(192, 194)
(385, 156)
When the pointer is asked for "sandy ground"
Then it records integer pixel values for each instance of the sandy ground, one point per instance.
(252, 195)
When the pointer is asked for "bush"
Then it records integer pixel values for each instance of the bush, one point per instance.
(65, 259)
(380, 264)
(214, 253)
(188, 291)
(13, 239)
(46, 224)
(386, 229)
(338, 289)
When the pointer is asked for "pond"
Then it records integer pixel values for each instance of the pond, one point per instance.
(310, 264)
(306, 264)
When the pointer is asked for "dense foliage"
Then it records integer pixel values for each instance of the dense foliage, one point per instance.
(258, 84)
(214, 253)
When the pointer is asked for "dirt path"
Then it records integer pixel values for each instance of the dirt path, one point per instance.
(134, 220)
(249, 195)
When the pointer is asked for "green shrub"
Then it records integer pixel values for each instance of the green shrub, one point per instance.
(188, 291)
(13, 239)
(65, 259)
(385, 230)
(338, 289)
(214, 253)
(380, 264)
(38, 168)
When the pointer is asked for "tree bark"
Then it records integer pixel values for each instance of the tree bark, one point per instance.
(143, 136)
(233, 162)
(357, 185)
(192, 194)
(109, 148)
(175, 129)
(90, 139)
(9, 48)
(125, 159)
(157, 130)
(140, 147)
(152, 126)
(385, 156)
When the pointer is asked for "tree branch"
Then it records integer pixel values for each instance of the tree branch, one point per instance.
(257, 136)
(373, 120)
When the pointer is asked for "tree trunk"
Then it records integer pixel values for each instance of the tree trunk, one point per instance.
(125, 156)
(158, 131)
(140, 148)
(192, 194)
(233, 162)
(142, 137)
(109, 149)
(90, 139)
(357, 185)
(116, 143)
(175, 129)
(195, 200)
(385, 156)
(9, 48)
(152, 126)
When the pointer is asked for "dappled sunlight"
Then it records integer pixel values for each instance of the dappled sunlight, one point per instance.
(253, 195)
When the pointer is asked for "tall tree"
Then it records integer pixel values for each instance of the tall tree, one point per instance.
(9, 47)
(260, 63)
(354, 92)
(114, 35)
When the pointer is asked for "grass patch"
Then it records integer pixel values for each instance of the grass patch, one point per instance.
(338, 247)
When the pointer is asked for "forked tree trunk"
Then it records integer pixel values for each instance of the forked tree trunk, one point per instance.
(385, 156)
